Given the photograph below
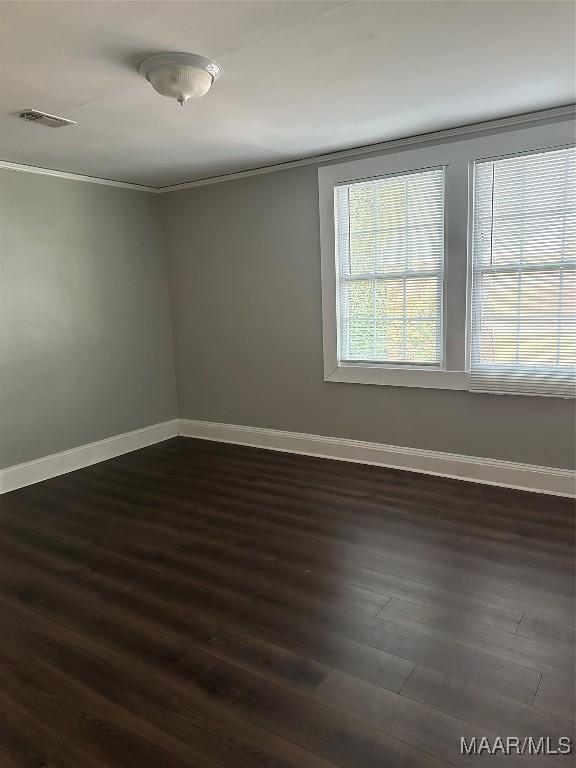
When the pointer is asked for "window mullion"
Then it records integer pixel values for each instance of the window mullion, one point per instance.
(389, 275)
(455, 265)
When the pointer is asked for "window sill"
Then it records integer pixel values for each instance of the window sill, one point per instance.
(426, 378)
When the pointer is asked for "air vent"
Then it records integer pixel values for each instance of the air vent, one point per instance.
(43, 118)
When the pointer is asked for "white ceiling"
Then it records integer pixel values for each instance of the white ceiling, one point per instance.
(299, 78)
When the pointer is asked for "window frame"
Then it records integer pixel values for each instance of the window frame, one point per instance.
(457, 156)
(553, 370)
(352, 278)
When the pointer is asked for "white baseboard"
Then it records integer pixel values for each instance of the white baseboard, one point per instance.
(507, 474)
(56, 464)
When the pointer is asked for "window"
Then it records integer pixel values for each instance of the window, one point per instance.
(390, 252)
(452, 264)
(524, 269)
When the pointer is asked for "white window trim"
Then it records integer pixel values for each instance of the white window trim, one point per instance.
(457, 157)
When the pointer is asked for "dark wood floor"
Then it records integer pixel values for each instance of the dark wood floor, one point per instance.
(196, 604)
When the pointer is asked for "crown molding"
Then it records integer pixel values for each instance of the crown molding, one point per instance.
(8, 166)
(525, 120)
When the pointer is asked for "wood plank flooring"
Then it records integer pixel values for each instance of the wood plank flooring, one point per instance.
(202, 605)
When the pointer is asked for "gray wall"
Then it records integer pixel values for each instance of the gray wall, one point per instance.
(85, 328)
(245, 272)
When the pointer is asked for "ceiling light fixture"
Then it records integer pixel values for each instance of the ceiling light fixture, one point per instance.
(180, 76)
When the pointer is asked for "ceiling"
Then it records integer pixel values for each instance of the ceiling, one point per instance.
(299, 78)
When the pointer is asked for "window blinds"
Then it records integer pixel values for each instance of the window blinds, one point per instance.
(523, 275)
(390, 254)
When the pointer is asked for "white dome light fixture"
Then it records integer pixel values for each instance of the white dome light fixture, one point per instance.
(180, 76)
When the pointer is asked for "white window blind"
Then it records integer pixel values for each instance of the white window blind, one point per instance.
(524, 274)
(390, 258)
